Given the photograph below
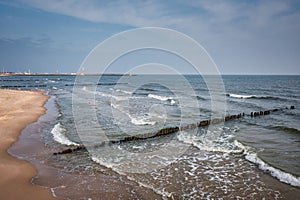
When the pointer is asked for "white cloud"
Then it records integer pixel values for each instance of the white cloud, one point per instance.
(212, 16)
(133, 13)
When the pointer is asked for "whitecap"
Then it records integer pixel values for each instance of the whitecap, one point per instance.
(238, 96)
(161, 98)
(141, 121)
(59, 136)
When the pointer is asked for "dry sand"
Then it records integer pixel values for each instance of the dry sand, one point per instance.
(17, 110)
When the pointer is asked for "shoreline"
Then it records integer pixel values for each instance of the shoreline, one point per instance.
(18, 110)
(107, 184)
(72, 74)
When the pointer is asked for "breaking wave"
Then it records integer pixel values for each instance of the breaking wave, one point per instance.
(280, 175)
(224, 145)
(161, 98)
(141, 121)
(59, 136)
(221, 144)
(134, 120)
(239, 96)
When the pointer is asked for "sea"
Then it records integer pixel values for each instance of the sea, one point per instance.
(244, 158)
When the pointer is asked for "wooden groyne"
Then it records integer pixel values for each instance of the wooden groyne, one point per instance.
(170, 130)
(71, 150)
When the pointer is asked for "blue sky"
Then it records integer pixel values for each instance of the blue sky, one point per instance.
(242, 37)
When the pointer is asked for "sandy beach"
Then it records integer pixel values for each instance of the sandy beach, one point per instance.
(18, 109)
(21, 179)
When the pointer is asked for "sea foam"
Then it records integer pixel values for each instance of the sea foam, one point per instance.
(254, 158)
(238, 96)
(134, 120)
(219, 145)
(141, 121)
(161, 98)
(59, 136)
(238, 148)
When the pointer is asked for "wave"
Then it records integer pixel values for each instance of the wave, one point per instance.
(122, 91)
(104, 94)
(225, 146)
(107, 95)
(59, 136)
(287, 129)
(92, 84)
(239, 96)
(280, 175)
(268, 97)
(141, 121)
(136, 121)
(161, 98)
(206, 144)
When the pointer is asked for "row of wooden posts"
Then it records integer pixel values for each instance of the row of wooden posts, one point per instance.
(170, 130)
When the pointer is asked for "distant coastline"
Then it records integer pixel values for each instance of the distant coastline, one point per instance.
(62, 74)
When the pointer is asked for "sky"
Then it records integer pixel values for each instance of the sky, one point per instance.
(242, 37)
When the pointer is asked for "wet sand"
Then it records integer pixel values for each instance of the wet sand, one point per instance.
(66, 183)
(17, 110)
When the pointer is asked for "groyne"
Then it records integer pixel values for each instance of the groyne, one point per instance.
(170, 130)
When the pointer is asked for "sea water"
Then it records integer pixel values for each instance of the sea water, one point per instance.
(209, 162)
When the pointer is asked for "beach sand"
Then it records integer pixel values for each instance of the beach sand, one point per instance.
(17, 110)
